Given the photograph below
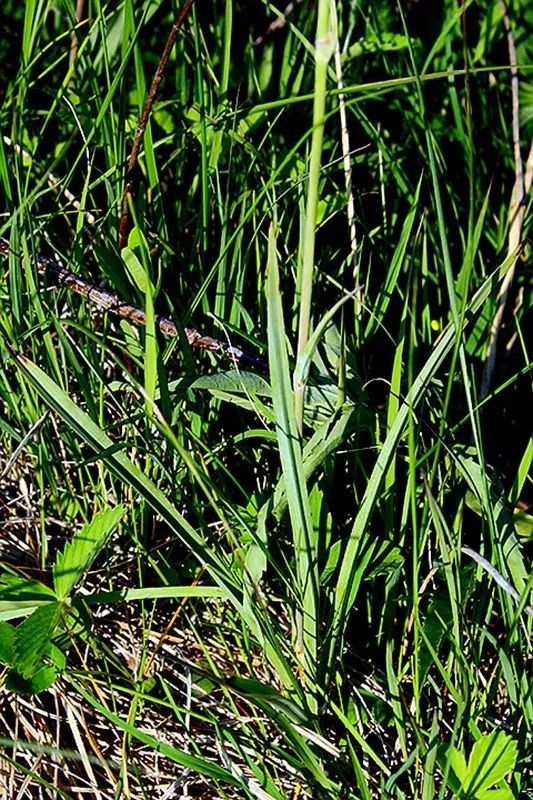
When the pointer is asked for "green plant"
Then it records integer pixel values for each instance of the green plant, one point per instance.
(493, 757)
(29, 649)
(324, 570)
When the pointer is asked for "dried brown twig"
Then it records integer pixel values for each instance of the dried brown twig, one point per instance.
(129, 188)
(277, 24)
(113, 303)
(80, 8)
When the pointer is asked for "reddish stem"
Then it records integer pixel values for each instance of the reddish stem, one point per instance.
(129, 188)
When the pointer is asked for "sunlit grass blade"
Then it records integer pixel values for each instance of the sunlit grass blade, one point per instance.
(293, 472)
(200, 765)
(215, 560)
(127, 471)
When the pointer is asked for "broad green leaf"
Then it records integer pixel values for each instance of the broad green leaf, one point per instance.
(7, 638)
(21, 608)
(320, 397)
(57, 657)
(14, 587)
(135, 269)
(38, 682)
(76, 559)
(32, 637)
(504, 793)
(233, 380)
(20, 596)
(243, 401)
(492, 758)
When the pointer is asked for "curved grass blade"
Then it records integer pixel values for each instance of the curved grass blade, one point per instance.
(217, 564)
(199, 765)
(127, 471)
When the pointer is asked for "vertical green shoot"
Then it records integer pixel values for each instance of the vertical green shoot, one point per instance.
(324, 48)
(306, 616)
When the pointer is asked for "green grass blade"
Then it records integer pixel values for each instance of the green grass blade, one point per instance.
(128, 472)
(292, 466)
(215, 560)
(200, 765)
(344, 594)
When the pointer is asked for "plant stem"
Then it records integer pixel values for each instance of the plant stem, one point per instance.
(324, 48)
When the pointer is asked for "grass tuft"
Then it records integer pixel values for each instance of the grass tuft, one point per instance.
(265, 474)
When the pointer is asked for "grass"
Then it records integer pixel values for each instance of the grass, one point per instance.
(312, 580)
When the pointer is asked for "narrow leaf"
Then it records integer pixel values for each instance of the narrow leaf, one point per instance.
(291, 462)
(346, 584)
(193, 762)
(120, 465)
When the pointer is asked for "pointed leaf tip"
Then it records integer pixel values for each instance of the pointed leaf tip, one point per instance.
(74, 561)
